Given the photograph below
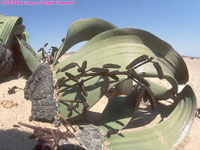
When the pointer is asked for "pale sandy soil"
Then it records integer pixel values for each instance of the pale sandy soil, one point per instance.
(193, 141)
(14, 108)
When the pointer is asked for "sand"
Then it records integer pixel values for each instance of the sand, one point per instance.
(14, 108)
(192, 142)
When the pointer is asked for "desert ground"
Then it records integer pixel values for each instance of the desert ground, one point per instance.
(14, 108)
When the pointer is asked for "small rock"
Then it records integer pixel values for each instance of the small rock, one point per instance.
(91, 137)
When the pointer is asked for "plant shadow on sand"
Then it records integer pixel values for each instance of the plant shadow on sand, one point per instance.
(14, 139)
(7, 78)
(144, 117)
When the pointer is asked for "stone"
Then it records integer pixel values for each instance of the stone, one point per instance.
(6, 60)
(40, 90)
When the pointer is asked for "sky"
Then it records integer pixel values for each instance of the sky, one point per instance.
(174, 21)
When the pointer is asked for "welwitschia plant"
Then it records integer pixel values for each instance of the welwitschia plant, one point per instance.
(116, 61)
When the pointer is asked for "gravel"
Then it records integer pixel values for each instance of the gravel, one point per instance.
(89, 136)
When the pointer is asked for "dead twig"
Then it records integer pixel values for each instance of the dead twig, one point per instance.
(50, 137)
(13, 89)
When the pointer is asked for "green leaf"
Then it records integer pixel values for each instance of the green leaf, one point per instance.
(8, 29)
(165, 135)
(93, 87)
(121, 46)
(83, 30)
(25, 36)
(19, 29)
(118, 112)
(160, 92)
(29, 58)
